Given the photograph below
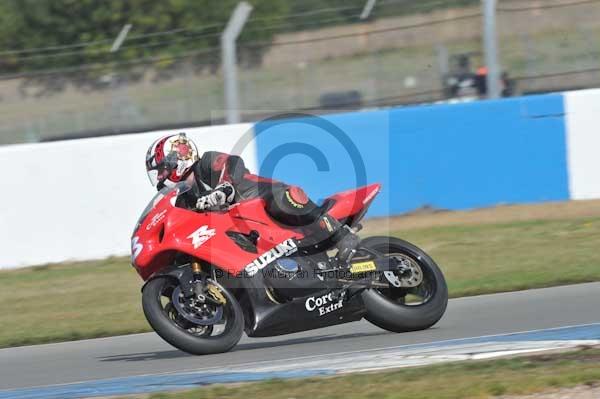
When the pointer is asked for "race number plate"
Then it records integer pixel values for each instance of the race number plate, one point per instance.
(363, 267)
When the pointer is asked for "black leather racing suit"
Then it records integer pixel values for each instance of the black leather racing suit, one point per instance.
(286, 204)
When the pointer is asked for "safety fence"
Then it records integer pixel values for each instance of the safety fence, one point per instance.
(333, 60)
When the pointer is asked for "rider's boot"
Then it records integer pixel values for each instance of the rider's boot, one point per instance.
(347, 246)
(327, 232)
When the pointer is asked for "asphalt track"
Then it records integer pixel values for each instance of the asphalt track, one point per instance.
(144, 354)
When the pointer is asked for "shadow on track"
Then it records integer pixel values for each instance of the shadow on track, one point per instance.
(174, 354)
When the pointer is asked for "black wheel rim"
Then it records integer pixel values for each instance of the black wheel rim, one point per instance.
(211, 331)
(414, 296)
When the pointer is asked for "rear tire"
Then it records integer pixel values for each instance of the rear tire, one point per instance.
(387, 308)
(204, 344)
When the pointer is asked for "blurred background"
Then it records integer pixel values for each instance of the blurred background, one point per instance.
(478, 117)
(73, 68)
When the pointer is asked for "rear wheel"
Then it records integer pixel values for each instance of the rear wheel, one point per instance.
(213, 326)
(422, 297)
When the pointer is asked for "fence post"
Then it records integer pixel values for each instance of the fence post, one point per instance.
(367, 8)
(228, 58)
(490, 48)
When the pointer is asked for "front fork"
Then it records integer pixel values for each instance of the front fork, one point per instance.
(194, 285)
(203, 290)
(198, 281)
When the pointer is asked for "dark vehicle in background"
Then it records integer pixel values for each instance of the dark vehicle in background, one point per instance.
(462, 81)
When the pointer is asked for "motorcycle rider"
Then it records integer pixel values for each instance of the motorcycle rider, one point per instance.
(220, 179)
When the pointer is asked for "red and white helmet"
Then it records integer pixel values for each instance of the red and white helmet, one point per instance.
(170, 158)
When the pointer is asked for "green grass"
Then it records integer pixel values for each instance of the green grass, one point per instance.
(465, 380)
(69, 302)
(102, 298)
(513, 256)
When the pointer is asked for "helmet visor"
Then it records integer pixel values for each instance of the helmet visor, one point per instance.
(159, 172)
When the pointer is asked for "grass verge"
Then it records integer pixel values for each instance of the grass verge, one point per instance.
(463, 380)
(102, 298)
(513, 256)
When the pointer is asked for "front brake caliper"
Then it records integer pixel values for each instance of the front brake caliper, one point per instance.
(216, 294)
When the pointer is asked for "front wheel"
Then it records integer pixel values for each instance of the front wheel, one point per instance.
(197, 328)
(419, 302)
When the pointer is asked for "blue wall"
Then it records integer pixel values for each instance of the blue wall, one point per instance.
(447, 156)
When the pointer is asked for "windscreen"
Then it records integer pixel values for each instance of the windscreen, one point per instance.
(179, 187)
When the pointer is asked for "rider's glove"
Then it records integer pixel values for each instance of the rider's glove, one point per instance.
(222, 194)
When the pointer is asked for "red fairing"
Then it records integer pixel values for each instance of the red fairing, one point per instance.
(351, 202)
(167, 230)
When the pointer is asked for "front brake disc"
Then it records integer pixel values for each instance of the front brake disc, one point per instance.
(201, 314)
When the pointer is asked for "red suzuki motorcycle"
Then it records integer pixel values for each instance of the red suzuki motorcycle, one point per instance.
(211, 275)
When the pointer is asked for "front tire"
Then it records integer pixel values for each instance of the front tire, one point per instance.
(186, 336)
(389, 308)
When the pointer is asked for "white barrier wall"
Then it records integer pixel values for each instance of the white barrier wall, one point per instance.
(583, 143)
(80, 199)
